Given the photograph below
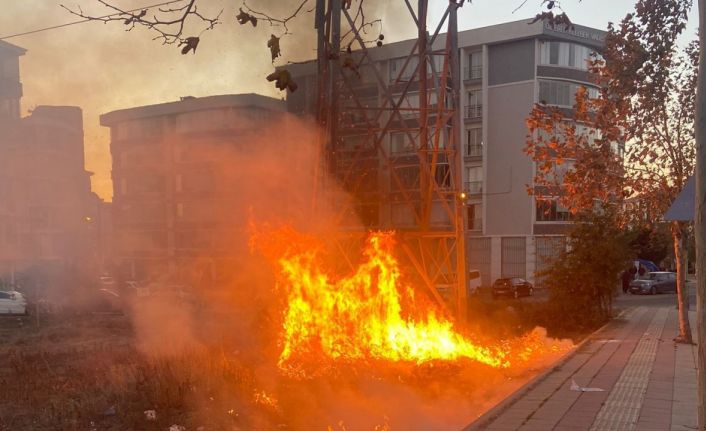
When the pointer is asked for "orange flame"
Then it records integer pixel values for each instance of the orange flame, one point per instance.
(361, 316)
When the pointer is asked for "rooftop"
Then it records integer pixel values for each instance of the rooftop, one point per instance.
(6, 47)
(487, 35)
(191, 104)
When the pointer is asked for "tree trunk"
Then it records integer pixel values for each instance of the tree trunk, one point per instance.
(679, 236)
(700, 128)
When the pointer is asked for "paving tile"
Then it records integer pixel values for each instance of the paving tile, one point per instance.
(622, 407)
(637, 373)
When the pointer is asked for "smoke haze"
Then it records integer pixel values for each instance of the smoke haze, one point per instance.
(101, 67)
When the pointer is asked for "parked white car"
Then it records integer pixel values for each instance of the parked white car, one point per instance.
(474, 281)
(12, 302)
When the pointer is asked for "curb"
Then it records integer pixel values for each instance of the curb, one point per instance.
(491, 415)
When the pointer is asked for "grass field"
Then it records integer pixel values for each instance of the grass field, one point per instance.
(71, 371)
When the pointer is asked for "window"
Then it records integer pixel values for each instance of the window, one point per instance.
(143, 184)
(197, 181)
(207, 120)
(474, 69)
(402, 215)
(408, 177)
(443, 176)
(396, 66)
(562, 93)
(549, 209)
(400, 143)
(474, 212)
(139, 129)
(474, 109)
(474, 142)
(565, 54)
(557, 171)
(474, 180)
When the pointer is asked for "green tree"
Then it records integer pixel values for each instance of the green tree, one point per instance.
(651, 242)
(646, 102)
(583, 279)
(646, 69)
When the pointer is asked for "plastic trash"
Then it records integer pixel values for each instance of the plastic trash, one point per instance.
(576, 387)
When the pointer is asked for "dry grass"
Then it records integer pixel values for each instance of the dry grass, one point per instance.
(89, 372)
(83, 373)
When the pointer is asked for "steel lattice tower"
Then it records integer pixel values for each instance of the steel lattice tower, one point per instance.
(420, 105)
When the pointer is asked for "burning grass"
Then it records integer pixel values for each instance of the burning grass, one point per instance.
(358, 352)
(91, 373)
(370, 314)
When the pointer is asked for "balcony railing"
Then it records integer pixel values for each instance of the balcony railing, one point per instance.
(474, 150)
(475, 224)
(473, 112)
(474, 187)
(473, 72)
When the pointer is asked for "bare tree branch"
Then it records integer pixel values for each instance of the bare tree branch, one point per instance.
(276, 22)
(168, 23)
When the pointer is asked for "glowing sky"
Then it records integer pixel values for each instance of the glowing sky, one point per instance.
(100, 67)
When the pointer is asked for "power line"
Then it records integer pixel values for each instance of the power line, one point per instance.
(85, 20)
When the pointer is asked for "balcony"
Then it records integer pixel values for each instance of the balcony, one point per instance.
(474, 187)
(475, 224)
(472, 72)
(473, 112)
(474, 150)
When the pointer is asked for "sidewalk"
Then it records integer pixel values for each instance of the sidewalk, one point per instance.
(648, 382)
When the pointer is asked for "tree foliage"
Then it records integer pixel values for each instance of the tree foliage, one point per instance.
(651, 242)
(574, 153)
(653, 83)
(583, 279)
(646, 102)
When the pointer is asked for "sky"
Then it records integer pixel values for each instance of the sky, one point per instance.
(101, 67)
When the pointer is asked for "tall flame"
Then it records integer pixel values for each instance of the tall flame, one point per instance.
(367, 315)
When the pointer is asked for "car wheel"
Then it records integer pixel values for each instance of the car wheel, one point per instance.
(653, 291)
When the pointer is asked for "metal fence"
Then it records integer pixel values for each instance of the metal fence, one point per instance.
(473, 72)
(474, 187)
(474, 112)
(478, 256)
(513, 257)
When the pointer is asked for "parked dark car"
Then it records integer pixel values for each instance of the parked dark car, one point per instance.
(653, 283)
(512, 287)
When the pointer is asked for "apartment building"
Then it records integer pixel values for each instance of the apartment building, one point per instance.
(177, 200)
(10, 84)
(506, 69)
(44, 187)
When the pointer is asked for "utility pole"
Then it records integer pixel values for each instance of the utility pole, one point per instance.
(415, 192)
(700, 228)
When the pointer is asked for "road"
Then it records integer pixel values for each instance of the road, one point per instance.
(628, 300)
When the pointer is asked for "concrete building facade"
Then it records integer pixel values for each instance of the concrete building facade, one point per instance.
(10, 84)
(176, 192)
(506, 69)
(44, 187)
